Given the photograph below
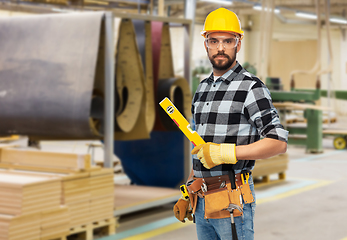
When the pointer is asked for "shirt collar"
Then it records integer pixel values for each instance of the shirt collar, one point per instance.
(228, 76)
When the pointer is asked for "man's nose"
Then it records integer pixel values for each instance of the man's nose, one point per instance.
(220, 46)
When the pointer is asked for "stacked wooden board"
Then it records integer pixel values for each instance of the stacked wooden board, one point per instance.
(274, 165)
(101, 194)
(89, 196)
(22, 194)
(44, 199)
(76, 196)
(27, 205)
(43, 161)
(20, 227)
(55, 223)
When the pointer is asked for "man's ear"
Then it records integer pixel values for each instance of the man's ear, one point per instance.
(239, 46)
(205, 46)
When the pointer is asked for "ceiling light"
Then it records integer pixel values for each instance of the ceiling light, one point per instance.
(306, 15)
(338, 20)
(260, 8)
(313, 16)
(226, 2)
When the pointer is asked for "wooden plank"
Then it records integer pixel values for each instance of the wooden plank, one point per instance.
(79, 213)
(34, 168)
(20, 227)
(45, 159)
(102, 208)
(335, 131)
(76, 190)
(55, 223)
(33, 193)
(55, 217)
(101, 185)
(101, 171)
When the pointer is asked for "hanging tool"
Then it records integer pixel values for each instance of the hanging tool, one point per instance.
(184, 191)
(181, 122)
(231, 209)
(245, 177)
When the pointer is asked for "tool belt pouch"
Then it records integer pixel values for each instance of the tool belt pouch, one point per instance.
(215, 201)
(235, 198)
(246, 193)
(218, 199)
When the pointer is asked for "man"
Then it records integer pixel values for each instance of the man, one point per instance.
(232, 109)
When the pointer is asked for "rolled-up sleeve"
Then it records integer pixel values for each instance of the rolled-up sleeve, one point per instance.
(261, 113)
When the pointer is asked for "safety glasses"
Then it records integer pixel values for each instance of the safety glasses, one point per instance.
(228, 43)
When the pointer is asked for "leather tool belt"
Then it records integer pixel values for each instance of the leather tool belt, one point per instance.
(218, 194)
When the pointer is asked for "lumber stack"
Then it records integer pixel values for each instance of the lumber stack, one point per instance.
(76, 196)
(43, 161)
(62, 197)
(89, 196)
(20, 227)
(101, 194)
(273, 165)
(30, 206)
(75, 188)
(79, 213)
(22, 194)
(54, 223)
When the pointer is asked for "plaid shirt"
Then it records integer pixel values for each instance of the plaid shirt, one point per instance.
(237, 108)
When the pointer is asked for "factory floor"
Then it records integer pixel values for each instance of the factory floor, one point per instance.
(309, 204)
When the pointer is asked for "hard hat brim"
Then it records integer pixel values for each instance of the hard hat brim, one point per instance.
(205, 33)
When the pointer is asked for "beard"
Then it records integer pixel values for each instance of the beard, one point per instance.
(219, 65)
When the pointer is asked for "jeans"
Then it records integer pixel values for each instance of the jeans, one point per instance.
(220, 229)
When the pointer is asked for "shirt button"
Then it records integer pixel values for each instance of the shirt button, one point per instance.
(206, 103)
(214, 85)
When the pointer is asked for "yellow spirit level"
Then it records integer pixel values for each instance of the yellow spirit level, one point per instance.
(181, 122)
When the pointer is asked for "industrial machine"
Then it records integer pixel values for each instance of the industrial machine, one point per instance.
(312, 133)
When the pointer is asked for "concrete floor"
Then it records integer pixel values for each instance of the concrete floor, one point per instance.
(309, 204)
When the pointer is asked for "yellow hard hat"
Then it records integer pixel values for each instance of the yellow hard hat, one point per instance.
(222, 20)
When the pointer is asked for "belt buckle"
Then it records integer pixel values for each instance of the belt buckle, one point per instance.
(222, 185)
(204, 187)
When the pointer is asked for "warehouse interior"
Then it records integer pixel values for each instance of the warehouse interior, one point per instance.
(87, 152)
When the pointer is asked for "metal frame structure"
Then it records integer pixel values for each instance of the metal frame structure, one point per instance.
(109, 90)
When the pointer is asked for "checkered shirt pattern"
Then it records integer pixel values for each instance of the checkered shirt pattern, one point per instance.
(237, 108)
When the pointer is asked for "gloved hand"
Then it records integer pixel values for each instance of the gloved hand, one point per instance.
(182, 211)
(212, 154)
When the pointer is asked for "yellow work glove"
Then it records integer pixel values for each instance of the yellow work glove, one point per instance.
(182, 210)
(212, 154)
